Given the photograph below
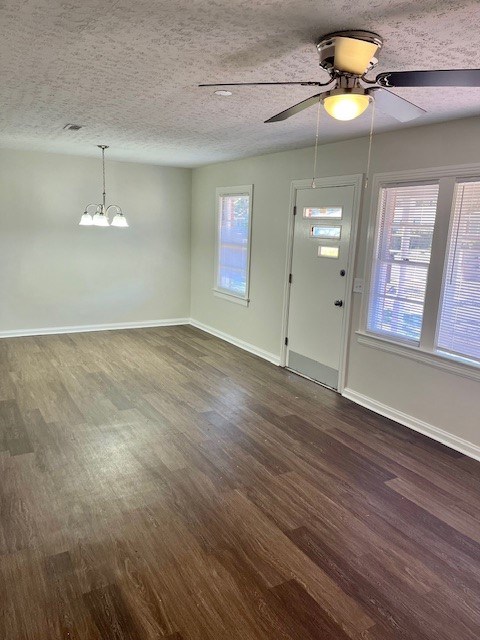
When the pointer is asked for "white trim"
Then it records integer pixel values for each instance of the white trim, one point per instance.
(231, 298)
(16, 333)
(454, 442)
(355, 180)
(246, 346)
(440, 361)
(438, 263)
(288, 269)
(231, 191)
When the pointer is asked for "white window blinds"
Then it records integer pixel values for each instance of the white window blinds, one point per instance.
(406, 219)
(233, 243)
(459, 322)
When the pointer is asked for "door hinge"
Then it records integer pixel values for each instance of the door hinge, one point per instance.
(286, 342)
(290, 278)
(295, 210)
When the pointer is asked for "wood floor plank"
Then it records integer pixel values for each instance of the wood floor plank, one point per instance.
(269, 543)
(446, 509)
(13, 434)
(110, 614)
(162, 484)
(309, 620)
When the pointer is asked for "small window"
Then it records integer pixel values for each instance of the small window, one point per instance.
(332, 233)
(322, 212)
(405, 223)
(459, 322)
(234, 207)
(328, 252)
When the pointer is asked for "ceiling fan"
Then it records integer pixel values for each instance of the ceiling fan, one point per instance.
(347, 56)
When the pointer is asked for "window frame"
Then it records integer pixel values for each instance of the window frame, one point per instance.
(426, 351)
(218, 291)
(413, 183)
(451, 232)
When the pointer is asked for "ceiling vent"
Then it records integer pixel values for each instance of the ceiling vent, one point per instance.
(72, 127)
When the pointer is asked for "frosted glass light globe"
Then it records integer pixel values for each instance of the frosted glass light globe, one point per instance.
(346, 106)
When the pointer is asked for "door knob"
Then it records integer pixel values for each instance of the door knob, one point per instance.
(338, 303)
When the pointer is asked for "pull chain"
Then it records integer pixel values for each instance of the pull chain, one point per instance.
(314, 186)
(370, 140)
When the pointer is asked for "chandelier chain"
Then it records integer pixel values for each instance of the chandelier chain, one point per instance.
(103, 170)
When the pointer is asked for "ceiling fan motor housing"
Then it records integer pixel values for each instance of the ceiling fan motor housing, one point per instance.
(350, 52)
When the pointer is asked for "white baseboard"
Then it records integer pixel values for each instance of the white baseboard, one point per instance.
(139, 325)
(454, 442)
(246, 346)
(94, 327)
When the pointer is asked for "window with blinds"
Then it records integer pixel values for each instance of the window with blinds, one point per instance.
(459, 317)
(405, 223)
(233, 243)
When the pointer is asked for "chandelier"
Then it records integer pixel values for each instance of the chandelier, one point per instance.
(99, 215)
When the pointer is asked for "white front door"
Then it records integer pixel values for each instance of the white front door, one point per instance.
(320, 255)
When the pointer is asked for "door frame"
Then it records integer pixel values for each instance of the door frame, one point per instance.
(355, 181)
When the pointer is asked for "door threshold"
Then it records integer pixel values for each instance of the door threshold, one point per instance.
(321, 384)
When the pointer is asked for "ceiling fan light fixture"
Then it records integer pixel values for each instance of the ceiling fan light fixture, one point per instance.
(346, 105)
(347, 56)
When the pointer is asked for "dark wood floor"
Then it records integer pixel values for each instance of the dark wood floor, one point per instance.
(160, 483)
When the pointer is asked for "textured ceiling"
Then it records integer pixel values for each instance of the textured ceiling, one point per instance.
(127, 70)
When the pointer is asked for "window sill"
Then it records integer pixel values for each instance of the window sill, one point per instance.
(444, 362)
(244, 302)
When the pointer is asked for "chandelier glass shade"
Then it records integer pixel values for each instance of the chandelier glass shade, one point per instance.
(86, 220)
(97, 214)
(119, 220)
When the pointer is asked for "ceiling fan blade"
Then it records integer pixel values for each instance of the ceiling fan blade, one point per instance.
(291, 111)
(446, 78)
(394, 105)
(255, 84)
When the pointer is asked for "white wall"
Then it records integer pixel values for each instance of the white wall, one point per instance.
(426, 394)
(54, 273)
